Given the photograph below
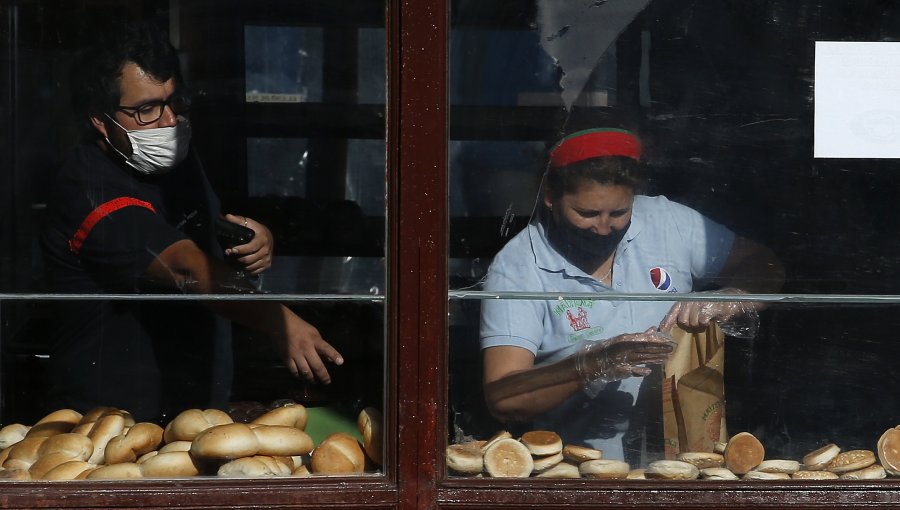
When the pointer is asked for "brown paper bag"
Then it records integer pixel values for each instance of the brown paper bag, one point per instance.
(693, 392)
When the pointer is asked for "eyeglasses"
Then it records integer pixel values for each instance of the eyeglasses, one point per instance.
(152, 111)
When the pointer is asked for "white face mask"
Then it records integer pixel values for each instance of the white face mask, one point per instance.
(155, 151)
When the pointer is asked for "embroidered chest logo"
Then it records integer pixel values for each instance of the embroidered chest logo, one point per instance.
(661, 279)
(578, 322)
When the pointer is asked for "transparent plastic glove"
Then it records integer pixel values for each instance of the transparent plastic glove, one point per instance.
(738, 319)
(622, 356)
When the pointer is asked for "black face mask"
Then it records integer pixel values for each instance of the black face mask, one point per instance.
(583, 248)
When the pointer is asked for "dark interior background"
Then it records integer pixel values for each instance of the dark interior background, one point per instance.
(728, 131)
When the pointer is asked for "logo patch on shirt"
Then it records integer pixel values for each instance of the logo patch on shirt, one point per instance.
(661, 279)
(578, 322)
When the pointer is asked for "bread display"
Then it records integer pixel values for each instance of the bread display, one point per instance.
(106, 444)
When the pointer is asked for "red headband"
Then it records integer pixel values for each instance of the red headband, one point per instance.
(595, 143)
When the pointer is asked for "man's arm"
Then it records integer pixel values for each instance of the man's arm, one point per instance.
(184, 266)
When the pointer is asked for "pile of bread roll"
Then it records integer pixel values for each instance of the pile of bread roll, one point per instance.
(542, 454)
(106, 443)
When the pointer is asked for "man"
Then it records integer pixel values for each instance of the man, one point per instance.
(132, 212)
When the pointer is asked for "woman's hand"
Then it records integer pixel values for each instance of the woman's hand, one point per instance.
(736, 318)
(622, 356)
(256, 256)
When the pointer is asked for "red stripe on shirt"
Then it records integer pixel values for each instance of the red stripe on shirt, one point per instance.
(100, 212)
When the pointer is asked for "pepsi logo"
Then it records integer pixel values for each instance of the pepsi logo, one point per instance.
(660, 278)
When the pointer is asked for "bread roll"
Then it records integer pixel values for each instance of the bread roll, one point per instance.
(104, 429)
(24, 453)
(282, 440)
(743, 452)
(76, 446)
(169, 465)
(889, 451)
(247, 467)
(672, 470)
(561, 470)
(142, 438)
(289, 415)
(851, 460)
(191, 422)
(228, 441)
(604, 469)
(338, 453)
(819, 458)
(465, 459)
(542, 442)
(125, 470)
(14, 474)
(57, 422)
(369, 423)
(176, 446)
(12, 434)
(68, 470)
(508, 458)
(578, 454)
(301, 471)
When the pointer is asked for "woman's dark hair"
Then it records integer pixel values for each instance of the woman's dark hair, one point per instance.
(97, 71)
(611, 170)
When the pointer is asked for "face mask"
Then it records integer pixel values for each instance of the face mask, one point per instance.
(156, 151)
(581, 246)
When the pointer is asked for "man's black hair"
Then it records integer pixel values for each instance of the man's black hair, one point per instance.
(97, 72)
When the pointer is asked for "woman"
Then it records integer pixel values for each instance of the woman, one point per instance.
(575, 366)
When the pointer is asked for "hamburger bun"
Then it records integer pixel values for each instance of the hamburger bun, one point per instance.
(672, 470)
(508, 458)
(561, 470)
(819, 458)
(465, 459)
(851, 460)
(578, 454)
(604, 469)
(717, 473)
(889, 451)
(778, 466)
(743, 453)
(542, 442)
(702, 460)
(805, 474)
(873, 472)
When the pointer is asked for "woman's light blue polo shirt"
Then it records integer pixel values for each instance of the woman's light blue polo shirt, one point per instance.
(667, 248)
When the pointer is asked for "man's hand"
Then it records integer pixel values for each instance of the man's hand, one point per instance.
(622, 356)
(256, 256)
(302, 349)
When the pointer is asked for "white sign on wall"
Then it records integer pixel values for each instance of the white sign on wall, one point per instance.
(857, 100)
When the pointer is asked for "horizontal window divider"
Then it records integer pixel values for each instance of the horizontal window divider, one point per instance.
(193, 297)
(698, 296)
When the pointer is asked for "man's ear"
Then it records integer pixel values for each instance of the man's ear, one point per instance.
(548, 201)
(98, 124)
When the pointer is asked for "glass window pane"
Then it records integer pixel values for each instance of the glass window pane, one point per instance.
(284, 64)
(118, 230)
(620, 171)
